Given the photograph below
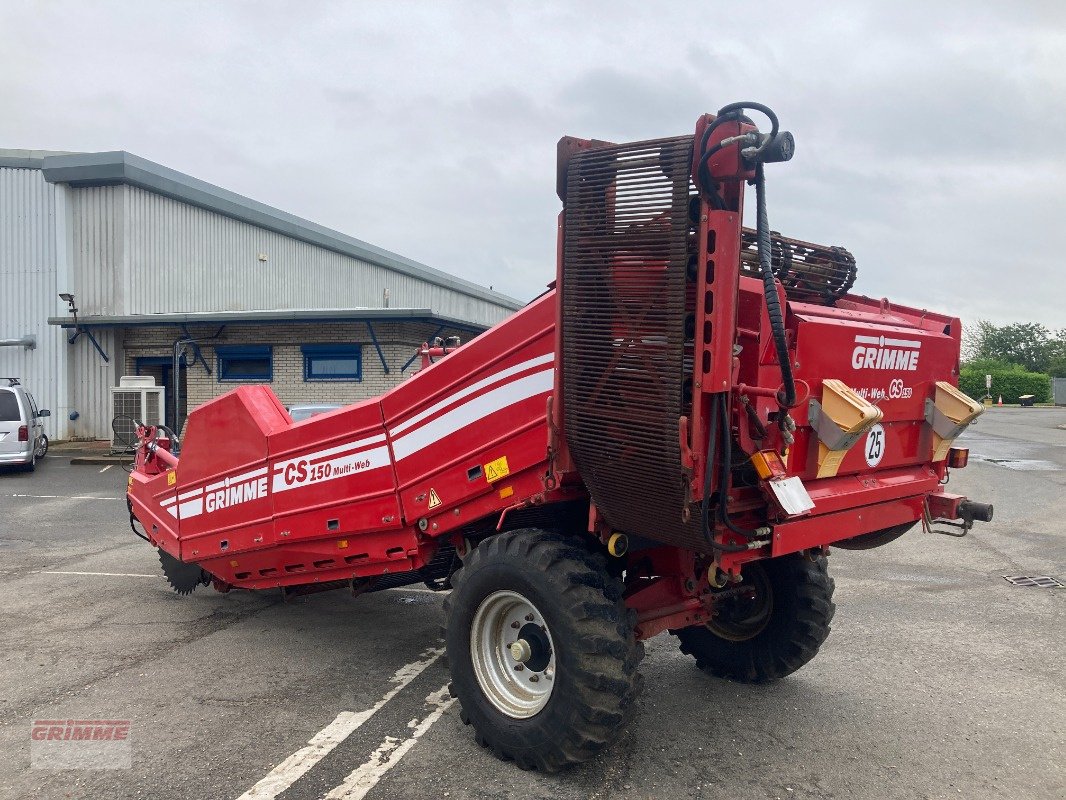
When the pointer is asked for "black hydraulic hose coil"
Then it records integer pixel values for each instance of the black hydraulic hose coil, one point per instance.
(787, 397)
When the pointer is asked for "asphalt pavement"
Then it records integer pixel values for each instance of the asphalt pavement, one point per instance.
(940, 678)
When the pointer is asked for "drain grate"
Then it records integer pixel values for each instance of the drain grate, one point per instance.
(1040, 581)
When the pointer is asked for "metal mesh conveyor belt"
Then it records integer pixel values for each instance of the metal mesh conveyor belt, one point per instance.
(626, 246)
(627, 242)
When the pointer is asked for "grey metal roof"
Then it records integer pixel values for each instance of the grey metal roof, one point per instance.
(96, 169)
(293, 315)
(27, 159)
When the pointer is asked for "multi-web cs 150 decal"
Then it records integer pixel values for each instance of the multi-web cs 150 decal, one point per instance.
(330, 464)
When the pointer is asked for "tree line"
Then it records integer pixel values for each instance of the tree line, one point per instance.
(1021, 358)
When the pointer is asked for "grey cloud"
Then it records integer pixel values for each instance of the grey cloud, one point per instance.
(928, 135)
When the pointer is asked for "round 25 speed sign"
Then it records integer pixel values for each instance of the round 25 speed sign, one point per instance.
(874, 447)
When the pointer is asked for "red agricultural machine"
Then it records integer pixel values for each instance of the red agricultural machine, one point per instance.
(668, 439)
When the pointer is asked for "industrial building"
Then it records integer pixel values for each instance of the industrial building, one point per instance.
(109, 264)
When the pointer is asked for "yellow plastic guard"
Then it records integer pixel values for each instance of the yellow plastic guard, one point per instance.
(957, 407)
(849, 412)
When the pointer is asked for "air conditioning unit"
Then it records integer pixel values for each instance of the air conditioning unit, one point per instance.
(135, 399)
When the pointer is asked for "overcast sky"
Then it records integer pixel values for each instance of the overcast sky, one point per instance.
(931, 137)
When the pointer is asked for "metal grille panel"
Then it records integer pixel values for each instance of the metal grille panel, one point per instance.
(1039, 581)
(626, 247)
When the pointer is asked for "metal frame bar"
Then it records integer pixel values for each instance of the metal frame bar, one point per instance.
(81, 331)
(374, 339)
(197, 354)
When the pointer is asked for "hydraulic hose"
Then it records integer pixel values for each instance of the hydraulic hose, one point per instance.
(718, 402)
(712, 437)
(787, 397)
(732, 112)
(723, 479)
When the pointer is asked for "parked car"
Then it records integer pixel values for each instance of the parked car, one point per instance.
(301, 412)
(22, 438)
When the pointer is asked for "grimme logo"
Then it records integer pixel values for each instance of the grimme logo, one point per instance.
(66, 730)
(237, 493)
(80, 744)
(880, 352)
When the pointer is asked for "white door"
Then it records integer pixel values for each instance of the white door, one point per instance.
(10, 420)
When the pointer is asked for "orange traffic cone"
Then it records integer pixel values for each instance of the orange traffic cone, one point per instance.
(1000, 401)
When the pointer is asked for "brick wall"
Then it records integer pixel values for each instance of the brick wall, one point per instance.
(398, 341)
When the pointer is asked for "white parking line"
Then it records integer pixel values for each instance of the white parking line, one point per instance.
(388, 754)
(63, 497)
(109, 466)
(322, 743)
(102, 574)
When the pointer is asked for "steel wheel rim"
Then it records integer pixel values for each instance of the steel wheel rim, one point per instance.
(513, 688)
(752, 618)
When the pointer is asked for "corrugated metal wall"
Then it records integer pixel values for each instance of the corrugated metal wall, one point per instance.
(28, 290)
(97, 270)
(123, 250)
(97, 233)
(184, 258)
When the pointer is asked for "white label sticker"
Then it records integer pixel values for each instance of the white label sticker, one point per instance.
(874, 448)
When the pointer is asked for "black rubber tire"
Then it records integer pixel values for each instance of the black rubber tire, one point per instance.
(595, 650)
(799, 622)
(42, 449)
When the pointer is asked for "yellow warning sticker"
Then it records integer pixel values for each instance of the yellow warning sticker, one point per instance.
(434, 498)
(172, 478)
(497, 469)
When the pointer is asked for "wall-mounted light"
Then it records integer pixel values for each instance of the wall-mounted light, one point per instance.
(68, 298)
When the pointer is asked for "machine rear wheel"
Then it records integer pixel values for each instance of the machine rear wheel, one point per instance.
(770, 632)
(541, 649)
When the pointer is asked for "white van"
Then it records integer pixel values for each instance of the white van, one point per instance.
(22, 439)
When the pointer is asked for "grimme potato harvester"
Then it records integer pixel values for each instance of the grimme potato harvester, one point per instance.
(668, 439)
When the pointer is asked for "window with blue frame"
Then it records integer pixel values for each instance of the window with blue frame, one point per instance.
(245, 363)
(333, 362)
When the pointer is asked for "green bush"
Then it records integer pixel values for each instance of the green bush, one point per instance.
(1011, 381)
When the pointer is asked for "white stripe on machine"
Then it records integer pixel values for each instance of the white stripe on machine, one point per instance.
(473, 411)
(473, 388)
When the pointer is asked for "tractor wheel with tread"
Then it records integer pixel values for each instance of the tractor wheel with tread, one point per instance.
(771, 632)
(541, 649)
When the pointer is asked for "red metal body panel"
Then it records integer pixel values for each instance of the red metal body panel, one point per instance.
(261, 501)
(486, 403)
